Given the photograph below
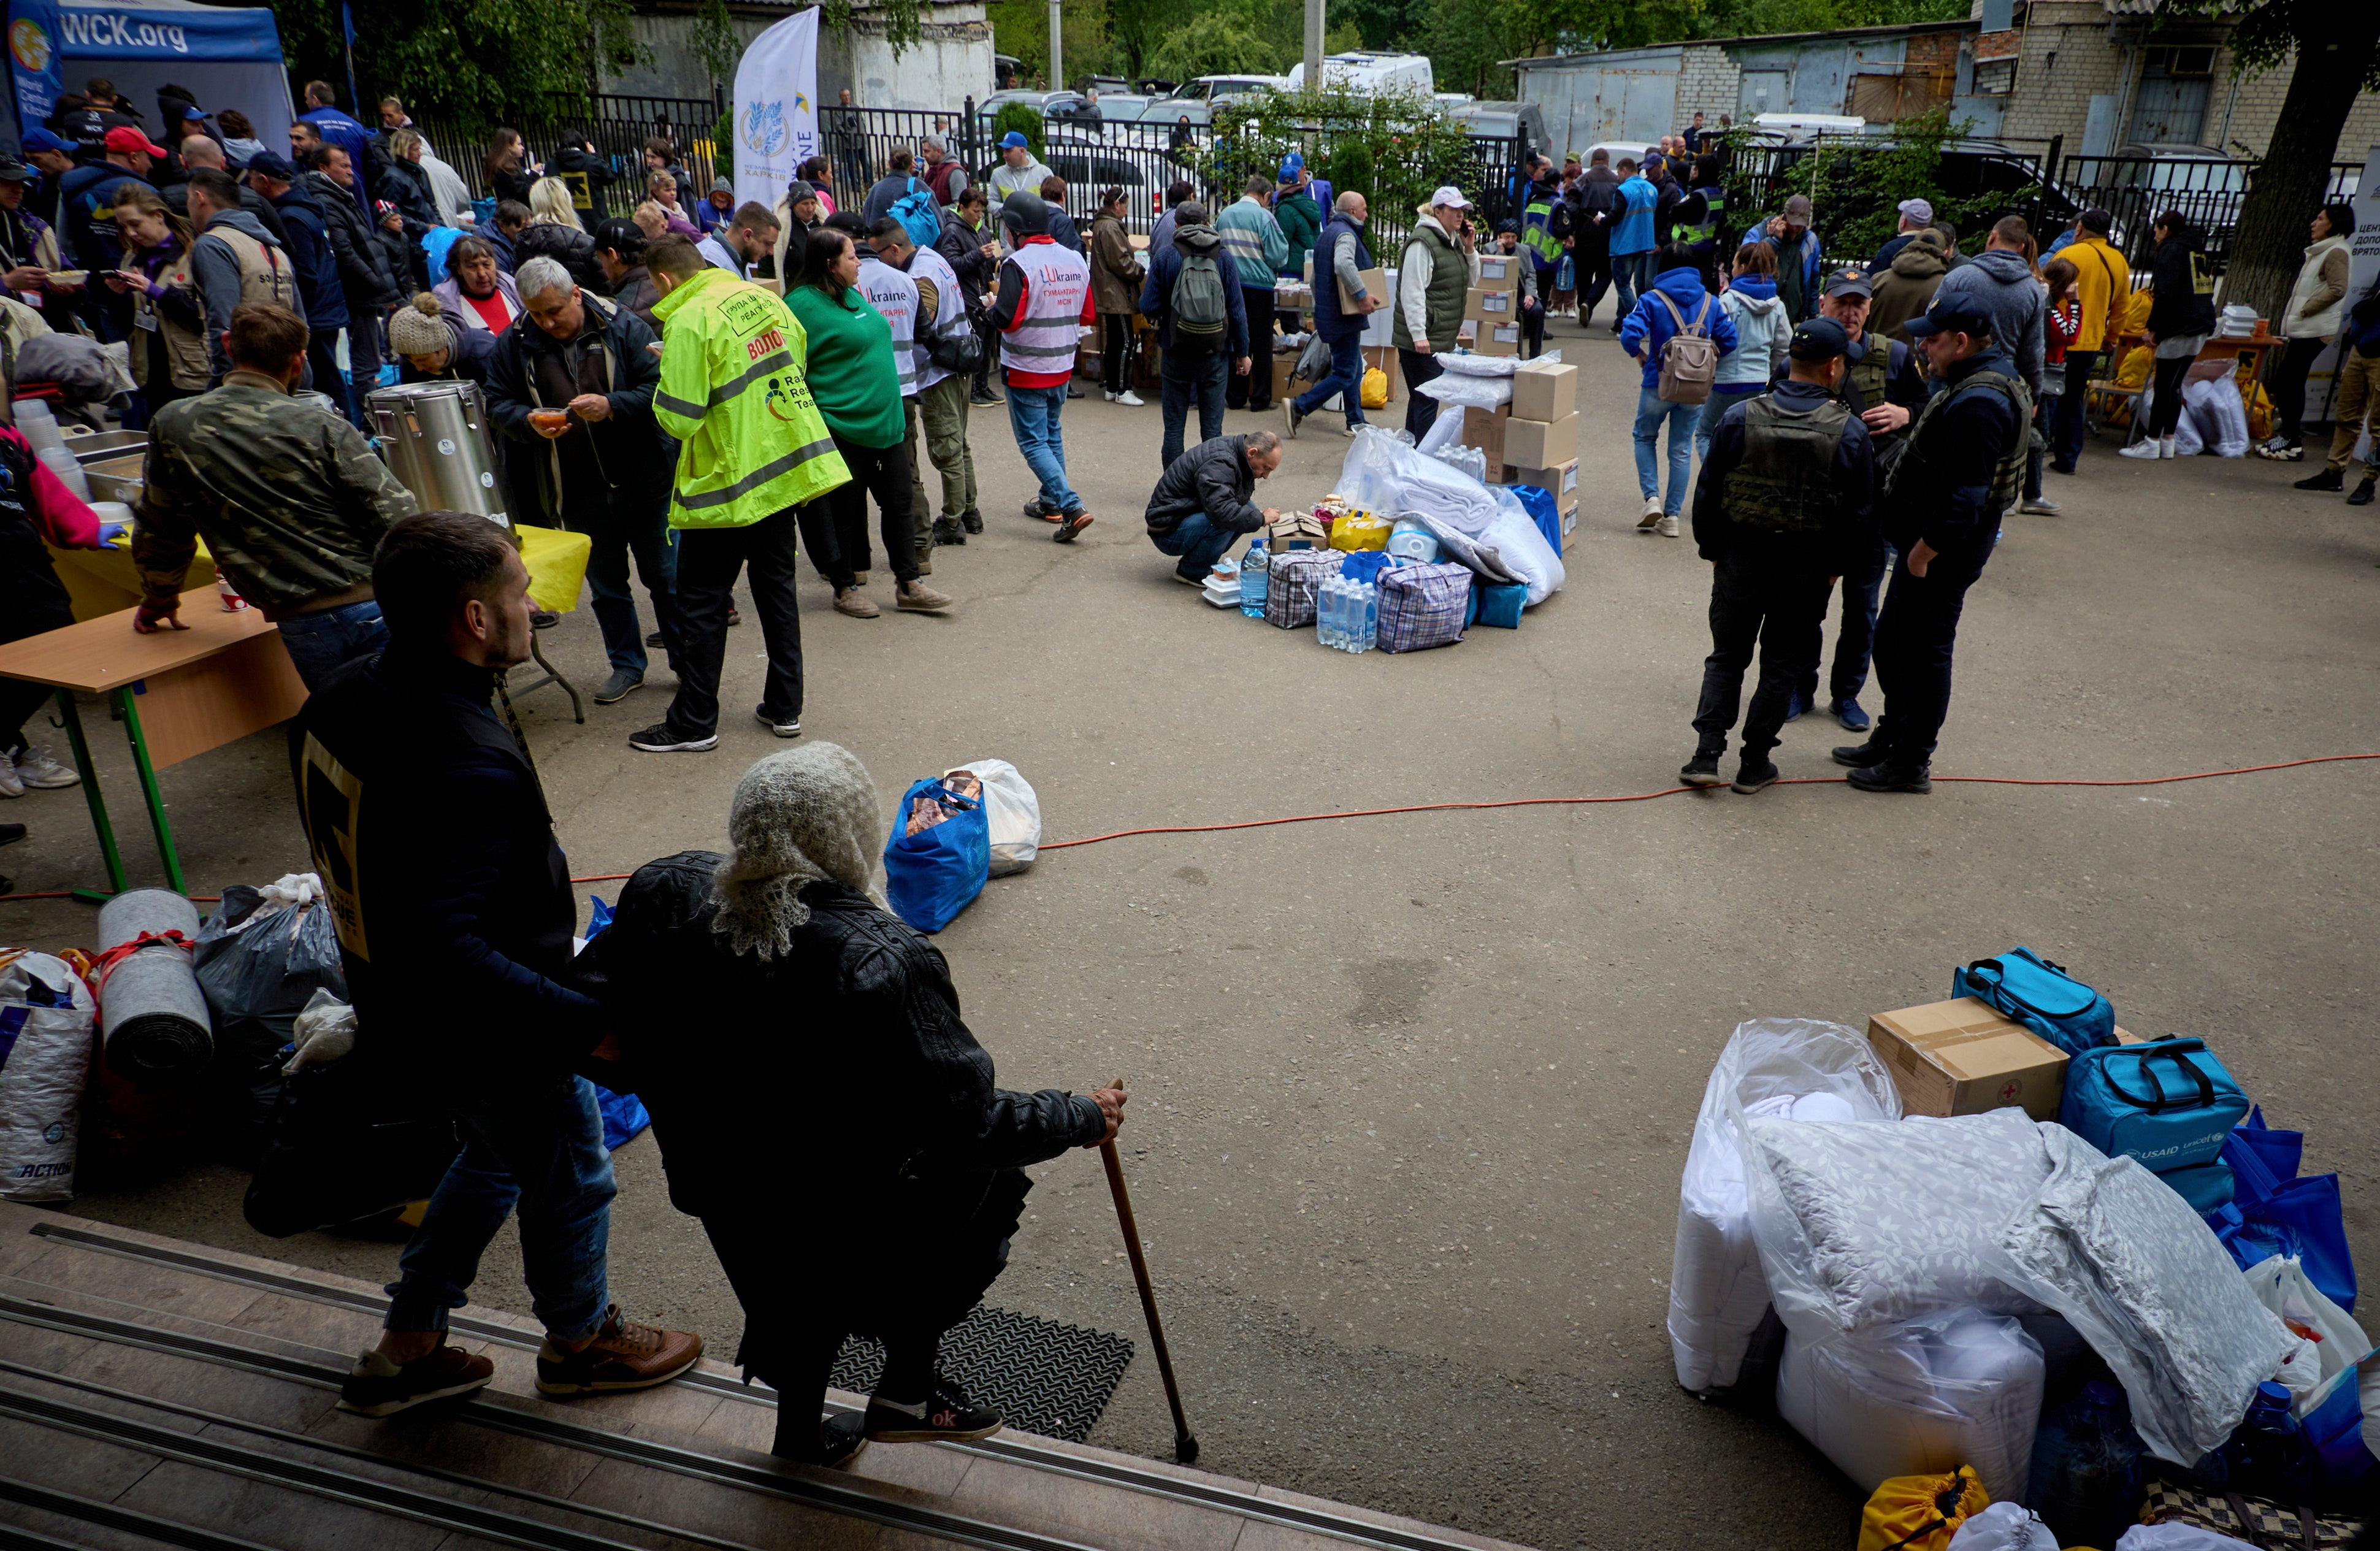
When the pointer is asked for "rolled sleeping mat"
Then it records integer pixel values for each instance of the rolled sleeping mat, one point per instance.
(153, 1017)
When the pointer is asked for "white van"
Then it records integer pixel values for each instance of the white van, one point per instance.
(1373, 73)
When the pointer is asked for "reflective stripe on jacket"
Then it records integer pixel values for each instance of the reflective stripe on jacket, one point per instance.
(1057, 281)
(733, 392)
(895, 294)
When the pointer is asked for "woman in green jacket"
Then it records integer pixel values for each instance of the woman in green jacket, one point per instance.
(857, 386)
(1301, 222)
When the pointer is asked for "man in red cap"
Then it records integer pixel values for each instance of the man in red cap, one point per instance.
(87, 196)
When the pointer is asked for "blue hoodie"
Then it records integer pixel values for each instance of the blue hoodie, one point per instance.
(1649, 328)
(1632, 229)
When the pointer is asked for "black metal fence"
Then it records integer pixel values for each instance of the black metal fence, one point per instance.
(1989, 179)
(2207, 192)
(619, 125)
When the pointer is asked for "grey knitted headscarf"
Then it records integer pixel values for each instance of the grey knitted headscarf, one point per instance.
(807, 814)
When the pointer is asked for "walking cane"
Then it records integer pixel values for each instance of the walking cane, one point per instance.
(1185, 1447)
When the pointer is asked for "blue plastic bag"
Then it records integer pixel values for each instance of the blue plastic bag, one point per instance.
(624, 1113)
(434, 243)
(2270, 1214)
(1538, 502)
(931, 876)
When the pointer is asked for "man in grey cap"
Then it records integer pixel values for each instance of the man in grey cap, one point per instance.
(1915, 216)
(1800, 256)
(1785, 504)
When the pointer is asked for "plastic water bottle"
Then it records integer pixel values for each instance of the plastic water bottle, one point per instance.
(1367, 627)
(1252, 582)
(2270, 1456)
(1326, 611)
(2086, 1479)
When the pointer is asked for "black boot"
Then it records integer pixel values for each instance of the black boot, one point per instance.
(2362, 496)
(948, 532)
(2323, 479)
(971, 520)
(1873, 751)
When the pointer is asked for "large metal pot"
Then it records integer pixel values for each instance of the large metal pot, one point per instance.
(438, 441)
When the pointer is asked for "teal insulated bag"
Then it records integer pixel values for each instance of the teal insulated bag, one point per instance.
(2022, 986)
(2168, 1103)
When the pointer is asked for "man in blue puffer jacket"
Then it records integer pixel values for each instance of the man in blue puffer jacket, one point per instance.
(1645, 333)
(1800, 256)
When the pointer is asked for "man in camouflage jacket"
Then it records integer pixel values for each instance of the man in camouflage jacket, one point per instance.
(289, 497)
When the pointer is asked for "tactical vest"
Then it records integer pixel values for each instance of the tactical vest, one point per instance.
(1442, 299)
(2008, 474)
(266, 273)
(1871, 372)
(1537, 230)
(894, 295)
(185, 349)
(1056, 281)
(1785, 482)
(950, 306)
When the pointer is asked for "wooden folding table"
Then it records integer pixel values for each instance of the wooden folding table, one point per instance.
(180, 692)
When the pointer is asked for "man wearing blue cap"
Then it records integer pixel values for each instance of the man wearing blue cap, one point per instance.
(1018, 169)
(1962, 468)
(54, 158)
(1785, 504)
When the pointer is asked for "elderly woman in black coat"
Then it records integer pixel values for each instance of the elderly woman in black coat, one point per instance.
(818, 1103)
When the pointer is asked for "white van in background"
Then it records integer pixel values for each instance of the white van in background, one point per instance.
(1373, 73)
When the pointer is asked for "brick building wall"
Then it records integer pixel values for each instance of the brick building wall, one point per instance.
(1708, 82)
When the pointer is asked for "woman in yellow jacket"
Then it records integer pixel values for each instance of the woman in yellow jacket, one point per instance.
(735, 391)
(2103, 281)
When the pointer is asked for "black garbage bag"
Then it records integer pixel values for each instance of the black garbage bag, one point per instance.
(344, 1145)
(259, 960)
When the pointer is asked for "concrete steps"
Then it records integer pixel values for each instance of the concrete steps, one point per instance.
(157, 1393)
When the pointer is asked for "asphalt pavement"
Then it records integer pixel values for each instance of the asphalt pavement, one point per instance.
(1411, 1093)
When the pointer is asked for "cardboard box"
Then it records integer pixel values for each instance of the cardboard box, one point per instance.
(1283, 363)
(1501, 271)
(1483, 429)
(1545, 390)
(1960, 1058)
(1558, 479)
(1491, 305)
(1540, 443)
(1376, 285)
(1497, 339)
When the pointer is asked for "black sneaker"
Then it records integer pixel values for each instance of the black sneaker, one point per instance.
(971, 520)
(1892, 777)
(983, 398)
(948, 1416)
(653, 638)
(1041, 509)
(2323, 479)
(662, 738)
(839, 1439)
(784, 726)
(1751, 777)
(1070, 524)
(733, 617)
(376, 1387)
(2363, 492)
(948, 532)
(1702, 770)
(1857, 755)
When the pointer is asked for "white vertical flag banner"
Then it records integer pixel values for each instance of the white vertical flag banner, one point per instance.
(776, 109)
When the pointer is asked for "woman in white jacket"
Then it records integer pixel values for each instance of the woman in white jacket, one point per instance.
(2318, 304)
(1763, 332)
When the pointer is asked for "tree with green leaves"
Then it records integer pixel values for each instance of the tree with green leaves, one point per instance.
(2336, 56)
(461, 62)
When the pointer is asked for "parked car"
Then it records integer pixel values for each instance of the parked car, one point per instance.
(1505, 121)
(1196, 99)
(1124, 108)
(1052, 106)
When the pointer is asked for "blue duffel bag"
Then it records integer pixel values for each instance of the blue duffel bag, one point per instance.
(2022, 986)
(931, 876)
(2168, 1102)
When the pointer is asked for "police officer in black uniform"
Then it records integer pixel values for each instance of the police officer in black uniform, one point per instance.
(1785, 500)
(1962, 468)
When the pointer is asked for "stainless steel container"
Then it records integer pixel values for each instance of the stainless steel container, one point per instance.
(437, 440)
(90, 449)
(117, 478)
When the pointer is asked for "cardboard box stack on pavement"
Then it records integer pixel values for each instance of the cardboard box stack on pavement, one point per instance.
(1491, 309)
(1543, 429)
(1559, 480)
(1485, 428)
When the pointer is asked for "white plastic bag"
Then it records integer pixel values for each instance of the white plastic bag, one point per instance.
(46, 1014)
(1012, 812)
(1793, 1067)
(2141, 1277)
(1522, 548)
(2213, 419)
(325, 1030)
(1919, 1398)
(2327, 1343)
(2177, 1536)
(1382, 474)
(2004, 1526)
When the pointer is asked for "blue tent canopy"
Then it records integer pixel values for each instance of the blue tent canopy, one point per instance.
(226, 59)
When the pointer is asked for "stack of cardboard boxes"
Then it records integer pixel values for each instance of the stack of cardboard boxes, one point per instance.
(1491, 309)
(1534, 439)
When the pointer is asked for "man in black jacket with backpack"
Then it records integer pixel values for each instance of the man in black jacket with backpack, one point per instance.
(1193, 293)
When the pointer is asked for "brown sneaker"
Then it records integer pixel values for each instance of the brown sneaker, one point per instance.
(848, 601)
(621, 1356)
(376, 1387)
(920, 597)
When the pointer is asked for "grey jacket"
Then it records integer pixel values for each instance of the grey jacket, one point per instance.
(1212, 478)
(217, 272)
(2003, 281)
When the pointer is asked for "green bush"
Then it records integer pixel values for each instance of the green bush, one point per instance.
(1349, 168)
(1025, 119)
(1392, 149)
(1856, 186)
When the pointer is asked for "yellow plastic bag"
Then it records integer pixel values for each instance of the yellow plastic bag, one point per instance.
(1375, 393)
(2260, 413)
(1920, 1513)
(1361, 530)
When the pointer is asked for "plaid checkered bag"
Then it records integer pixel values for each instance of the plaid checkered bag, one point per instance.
(1421, 606)
(1293, 584)
(2260, 1521)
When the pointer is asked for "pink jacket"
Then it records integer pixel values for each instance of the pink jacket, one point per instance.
(64, 518)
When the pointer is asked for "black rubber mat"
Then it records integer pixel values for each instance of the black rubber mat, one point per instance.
(1043, 1376)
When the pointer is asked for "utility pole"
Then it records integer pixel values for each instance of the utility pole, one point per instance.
(1313, 45)
(1057, 52)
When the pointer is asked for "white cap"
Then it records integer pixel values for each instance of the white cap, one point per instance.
(1451, 197)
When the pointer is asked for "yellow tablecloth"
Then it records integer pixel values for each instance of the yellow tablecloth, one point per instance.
(102, 581)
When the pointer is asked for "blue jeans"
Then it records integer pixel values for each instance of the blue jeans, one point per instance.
(1346, 377)
(1856, 637)
(2066, 441)
(1632, 275)
(616, 535)
(1181, 379)
(320, 644)
(1650, 412)
(1199, 542)
(537, 1145)
(1033, 415)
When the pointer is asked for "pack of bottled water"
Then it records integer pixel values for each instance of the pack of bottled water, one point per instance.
(1252, 582)
(1347, 613)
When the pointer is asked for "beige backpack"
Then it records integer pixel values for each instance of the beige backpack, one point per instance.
(1689, 359)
